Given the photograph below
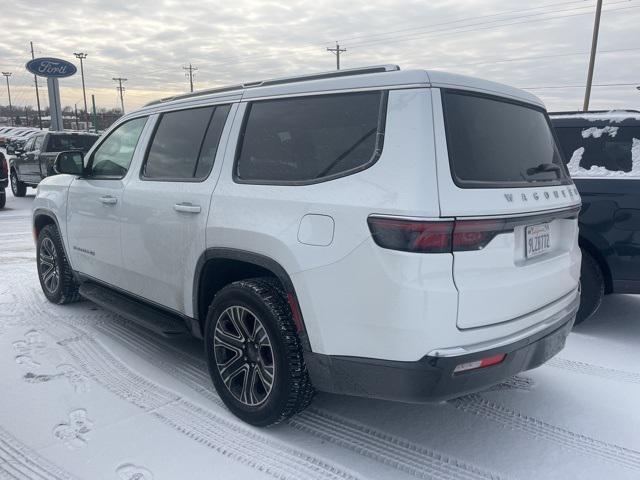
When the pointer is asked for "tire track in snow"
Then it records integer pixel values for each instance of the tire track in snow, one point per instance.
(17, 461)
(514, 420)
(594, 370)
(227, 436)
(408, 457)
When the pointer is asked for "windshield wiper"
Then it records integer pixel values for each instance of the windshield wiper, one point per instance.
(545, 167)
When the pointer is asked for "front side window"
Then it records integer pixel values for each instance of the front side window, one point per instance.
(185, 144)
(309, 139)
(38, 142)
(601, 150)
(494, 143)
(113, 157)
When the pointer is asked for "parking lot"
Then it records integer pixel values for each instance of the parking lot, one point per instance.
(90, 395)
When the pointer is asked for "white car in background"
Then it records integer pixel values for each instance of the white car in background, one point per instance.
(405, 235)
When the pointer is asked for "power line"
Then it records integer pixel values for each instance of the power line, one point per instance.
(120, 89)
(190, 75)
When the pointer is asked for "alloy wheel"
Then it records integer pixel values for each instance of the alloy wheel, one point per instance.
(49, 272)
(244, 355)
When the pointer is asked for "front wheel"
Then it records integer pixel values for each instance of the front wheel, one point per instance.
(18, 188)
(254, 354)
(54, 271)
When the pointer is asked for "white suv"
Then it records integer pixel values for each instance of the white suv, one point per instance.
(404, 235)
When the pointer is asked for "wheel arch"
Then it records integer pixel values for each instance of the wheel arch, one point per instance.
(217, 267)
(587, 244)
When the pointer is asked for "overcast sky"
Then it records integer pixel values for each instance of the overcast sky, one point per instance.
(531, 45)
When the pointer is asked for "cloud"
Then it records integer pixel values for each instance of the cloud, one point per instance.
(149, 41)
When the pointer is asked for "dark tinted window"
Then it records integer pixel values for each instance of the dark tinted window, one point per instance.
(211, 141)
(182, 138)
(309, 138)
(496, 143)
(62, 143)
(610, 147)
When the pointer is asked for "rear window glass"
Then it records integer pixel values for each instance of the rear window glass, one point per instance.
(307, 139)
(601, 151)
(62, 143)
(496, 143)
(185, 143)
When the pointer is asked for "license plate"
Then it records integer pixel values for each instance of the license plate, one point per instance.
(538, 239)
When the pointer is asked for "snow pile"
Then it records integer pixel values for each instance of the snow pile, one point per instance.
(575, 170)
(596, 132)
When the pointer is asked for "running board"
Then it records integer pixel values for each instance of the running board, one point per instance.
(146, 316)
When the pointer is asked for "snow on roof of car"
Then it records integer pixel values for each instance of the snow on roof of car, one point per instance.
(612, 116)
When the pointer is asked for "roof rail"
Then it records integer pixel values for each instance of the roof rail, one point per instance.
(582, 112)
(280, 81)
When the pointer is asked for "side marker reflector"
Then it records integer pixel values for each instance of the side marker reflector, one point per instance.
(485, 362)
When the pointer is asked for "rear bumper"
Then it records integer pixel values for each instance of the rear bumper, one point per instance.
(432, 378)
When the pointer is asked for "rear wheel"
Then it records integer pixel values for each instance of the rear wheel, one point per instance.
(254, 354)
(18, 188)
(592, 283)
(54, 271)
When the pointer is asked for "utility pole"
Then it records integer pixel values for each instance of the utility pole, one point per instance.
(336, 51)
(7, 75)
(120, 89)
(75, 107)
(95, 116)
(81, 56)
(190, 75)
(35, 79)
(592, 60)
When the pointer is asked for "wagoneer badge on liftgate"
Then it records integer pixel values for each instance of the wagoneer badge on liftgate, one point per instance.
(51, 67)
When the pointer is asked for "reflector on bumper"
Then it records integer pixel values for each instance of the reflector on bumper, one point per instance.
(485, 362)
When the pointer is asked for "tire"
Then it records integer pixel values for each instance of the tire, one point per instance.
(3, 198)
(592, 283)
(18, 188)
(267, 349)
(54, 271)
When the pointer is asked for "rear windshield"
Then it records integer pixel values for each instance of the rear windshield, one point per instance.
(62, 143)
(497, 143)
(601, 151)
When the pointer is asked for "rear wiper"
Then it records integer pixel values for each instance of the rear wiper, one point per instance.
(545, 167)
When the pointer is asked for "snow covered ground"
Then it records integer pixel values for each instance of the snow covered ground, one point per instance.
(85, 394)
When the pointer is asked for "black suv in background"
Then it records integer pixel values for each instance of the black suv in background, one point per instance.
(602, 150)
(35, 161)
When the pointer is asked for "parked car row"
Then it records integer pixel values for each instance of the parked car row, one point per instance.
(12, 137)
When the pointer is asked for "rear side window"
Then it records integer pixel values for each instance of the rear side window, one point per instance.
(601, 150)
(496, 143)
(310, 139)
(185, 144)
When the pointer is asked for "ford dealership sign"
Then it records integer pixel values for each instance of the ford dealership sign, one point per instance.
(51, 67)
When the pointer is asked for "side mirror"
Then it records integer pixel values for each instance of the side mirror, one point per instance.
(71, 163)
(17, 152)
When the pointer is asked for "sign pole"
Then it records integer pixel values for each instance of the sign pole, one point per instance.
(54, 104)
(95, 116)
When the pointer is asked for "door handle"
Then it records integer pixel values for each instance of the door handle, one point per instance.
(108, 200)
(186, 207)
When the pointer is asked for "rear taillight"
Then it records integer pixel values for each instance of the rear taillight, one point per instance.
(476, 234)
(411, 236)
(440, 236)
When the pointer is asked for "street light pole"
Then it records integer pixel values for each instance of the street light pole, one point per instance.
(7, 75)
(82, 56)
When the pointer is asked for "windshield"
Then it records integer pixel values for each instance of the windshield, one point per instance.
(62, 143)
(496, 143)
